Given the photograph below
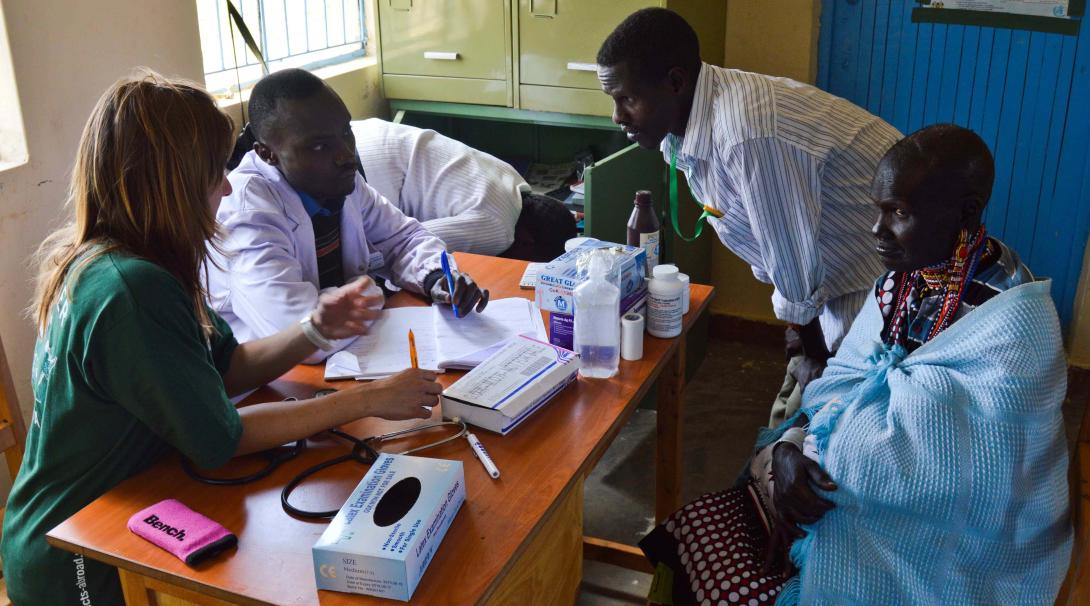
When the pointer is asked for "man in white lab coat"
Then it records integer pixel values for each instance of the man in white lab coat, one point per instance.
(300, 219)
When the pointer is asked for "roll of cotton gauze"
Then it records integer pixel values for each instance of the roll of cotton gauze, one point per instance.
(632, 336)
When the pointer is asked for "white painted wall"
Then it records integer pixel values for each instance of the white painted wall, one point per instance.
(63, 55)
(12, 139)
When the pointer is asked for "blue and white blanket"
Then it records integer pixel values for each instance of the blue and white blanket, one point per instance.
(951, 463)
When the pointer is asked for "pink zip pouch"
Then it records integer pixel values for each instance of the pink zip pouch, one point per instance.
(186, 534)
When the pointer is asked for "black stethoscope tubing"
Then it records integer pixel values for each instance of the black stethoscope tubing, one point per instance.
(275, 459)
(362, 452)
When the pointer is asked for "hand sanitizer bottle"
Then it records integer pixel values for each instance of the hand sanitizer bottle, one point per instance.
(598, 320)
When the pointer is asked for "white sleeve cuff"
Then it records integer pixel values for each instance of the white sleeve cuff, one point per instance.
(799, 312)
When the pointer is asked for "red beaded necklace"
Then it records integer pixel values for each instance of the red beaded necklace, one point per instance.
(950, 276)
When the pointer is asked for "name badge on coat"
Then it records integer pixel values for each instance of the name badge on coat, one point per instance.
(375, 262)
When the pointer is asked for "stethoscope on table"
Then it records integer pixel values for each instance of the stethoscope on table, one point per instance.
(364, 451)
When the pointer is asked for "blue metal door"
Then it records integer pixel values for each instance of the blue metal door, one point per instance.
(1026, 93)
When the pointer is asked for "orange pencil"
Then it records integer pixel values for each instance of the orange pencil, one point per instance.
(412, 350)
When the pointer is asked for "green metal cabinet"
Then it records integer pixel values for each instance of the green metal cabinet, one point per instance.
(558, 41)
(524, 85)
(446, 50)
(527, 54)
(556, 44)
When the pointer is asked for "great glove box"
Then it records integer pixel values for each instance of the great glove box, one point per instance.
(558, 279)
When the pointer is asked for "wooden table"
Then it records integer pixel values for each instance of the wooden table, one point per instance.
(516, 540)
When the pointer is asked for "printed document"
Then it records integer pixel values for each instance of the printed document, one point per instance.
(442, 341)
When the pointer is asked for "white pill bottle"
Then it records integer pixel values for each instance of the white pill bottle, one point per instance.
(665, 293)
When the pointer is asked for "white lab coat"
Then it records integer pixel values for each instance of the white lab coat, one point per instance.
(264, 278)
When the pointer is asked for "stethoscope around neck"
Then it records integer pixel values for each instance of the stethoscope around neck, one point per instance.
(364, 451)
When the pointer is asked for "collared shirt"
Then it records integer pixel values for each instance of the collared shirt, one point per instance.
(790, 168)
(468, 198)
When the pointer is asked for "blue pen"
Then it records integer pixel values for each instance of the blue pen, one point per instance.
(450, 282)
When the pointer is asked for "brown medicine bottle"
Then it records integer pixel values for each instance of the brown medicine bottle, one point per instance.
(644, 229)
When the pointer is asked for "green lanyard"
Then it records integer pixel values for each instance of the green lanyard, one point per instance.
(708, 210)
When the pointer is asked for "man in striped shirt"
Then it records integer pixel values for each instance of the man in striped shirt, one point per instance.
(782, 168)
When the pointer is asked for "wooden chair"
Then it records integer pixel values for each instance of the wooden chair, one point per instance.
(1076, 587)
(12, 436)
(12, 429)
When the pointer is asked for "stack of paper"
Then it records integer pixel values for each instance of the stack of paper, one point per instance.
(528, 281)
(442, 341)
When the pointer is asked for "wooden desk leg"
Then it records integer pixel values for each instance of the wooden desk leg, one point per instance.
(140, 590)
(549, 570)
(671, 392)
(133, 588)
(670, 403)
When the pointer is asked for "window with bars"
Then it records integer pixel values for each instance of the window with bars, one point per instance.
(290, 33)
(13, 148)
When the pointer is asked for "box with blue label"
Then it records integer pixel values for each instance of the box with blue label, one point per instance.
(383, 538)
(559, 278)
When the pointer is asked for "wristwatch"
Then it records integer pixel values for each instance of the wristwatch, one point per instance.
(311, 333)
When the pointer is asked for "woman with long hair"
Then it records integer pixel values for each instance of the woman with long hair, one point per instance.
(130, 362)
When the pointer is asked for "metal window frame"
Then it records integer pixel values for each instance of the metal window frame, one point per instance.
(354, 48)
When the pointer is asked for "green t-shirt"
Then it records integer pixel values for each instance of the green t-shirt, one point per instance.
(121, 375)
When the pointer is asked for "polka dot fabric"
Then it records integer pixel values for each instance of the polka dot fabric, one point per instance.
(718, 544)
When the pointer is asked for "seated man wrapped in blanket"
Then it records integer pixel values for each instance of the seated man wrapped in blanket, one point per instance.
(928, 464)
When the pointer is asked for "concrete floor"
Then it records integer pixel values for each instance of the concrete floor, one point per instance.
(725, 403)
